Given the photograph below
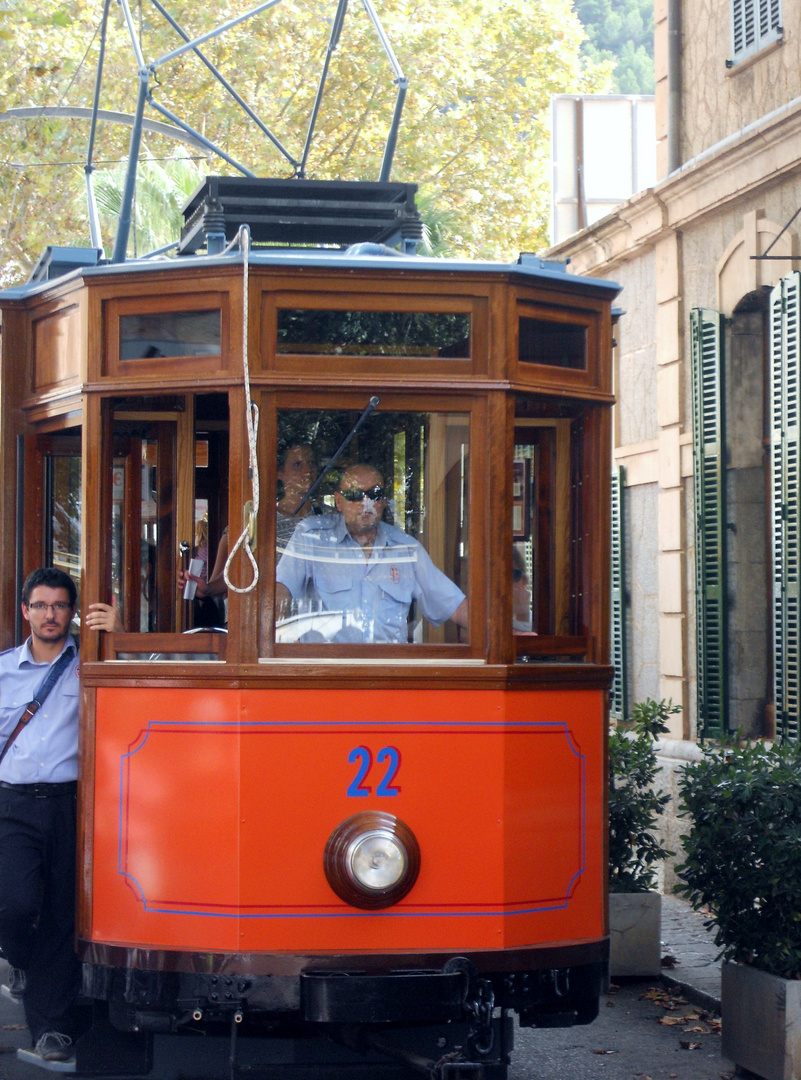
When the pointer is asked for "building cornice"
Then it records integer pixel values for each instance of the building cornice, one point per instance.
(740, 166)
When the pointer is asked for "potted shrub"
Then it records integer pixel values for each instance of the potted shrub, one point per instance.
(743, 864)
(635, 907)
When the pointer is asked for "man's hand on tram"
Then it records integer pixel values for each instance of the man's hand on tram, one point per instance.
(105, 617)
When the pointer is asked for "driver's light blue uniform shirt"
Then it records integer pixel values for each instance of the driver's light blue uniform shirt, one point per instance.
(377, 592)
(46, 750)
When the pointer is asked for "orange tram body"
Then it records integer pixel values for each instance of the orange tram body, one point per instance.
(308, 820)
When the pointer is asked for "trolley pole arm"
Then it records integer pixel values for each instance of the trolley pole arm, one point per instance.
(333, 41)
(91, 202)
(126, 207)
(402, 84)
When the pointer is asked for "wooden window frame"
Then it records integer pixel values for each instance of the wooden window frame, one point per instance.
(474, 650)
(115, 308)
(589, 381)
(413, 300)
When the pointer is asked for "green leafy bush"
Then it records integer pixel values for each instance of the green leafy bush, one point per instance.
(743, 852)
(634, 805)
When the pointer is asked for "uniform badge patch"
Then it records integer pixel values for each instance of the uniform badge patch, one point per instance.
(394, 573)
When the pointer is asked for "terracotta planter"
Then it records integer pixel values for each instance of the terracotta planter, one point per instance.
(761, 1021)
(635, 932)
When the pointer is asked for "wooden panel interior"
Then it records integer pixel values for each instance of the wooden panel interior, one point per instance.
(57, 347)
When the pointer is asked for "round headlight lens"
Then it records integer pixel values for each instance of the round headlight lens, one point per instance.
(371, 859)
(377, 860)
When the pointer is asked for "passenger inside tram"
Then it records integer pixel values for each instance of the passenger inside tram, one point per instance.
(296, 472)
(352, 577)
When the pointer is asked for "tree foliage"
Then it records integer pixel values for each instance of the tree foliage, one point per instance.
(474, 133)
(621, 31)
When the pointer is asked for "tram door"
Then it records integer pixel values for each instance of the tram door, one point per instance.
(169, 495)
(541, 526)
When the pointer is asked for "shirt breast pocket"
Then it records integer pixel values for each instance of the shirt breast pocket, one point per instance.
(396, 590)
(71, 688)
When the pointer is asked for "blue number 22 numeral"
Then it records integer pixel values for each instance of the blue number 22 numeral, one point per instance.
(358, 789)
(362, 754)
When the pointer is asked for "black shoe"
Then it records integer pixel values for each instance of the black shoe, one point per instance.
(53, 1046)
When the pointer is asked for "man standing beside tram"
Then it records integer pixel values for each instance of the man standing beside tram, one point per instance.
(39, 700)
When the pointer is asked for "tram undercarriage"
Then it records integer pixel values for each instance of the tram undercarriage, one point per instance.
(447, 1024)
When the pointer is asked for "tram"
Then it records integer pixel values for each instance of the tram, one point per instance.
(328, 836)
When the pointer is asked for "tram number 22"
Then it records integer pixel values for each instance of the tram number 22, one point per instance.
(389, 760)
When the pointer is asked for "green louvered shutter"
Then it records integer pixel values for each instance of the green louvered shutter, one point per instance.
(619, 694)
(709, 444)
(785, 303)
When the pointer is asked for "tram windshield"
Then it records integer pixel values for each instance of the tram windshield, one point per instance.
(372, 527)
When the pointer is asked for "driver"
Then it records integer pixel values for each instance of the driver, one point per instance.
(357, 564)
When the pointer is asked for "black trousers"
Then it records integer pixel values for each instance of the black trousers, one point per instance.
(37, 905)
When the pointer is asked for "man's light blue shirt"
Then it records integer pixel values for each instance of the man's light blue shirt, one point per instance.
(46, 750)
(377, 592)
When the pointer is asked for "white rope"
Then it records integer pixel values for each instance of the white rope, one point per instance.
(252, 423)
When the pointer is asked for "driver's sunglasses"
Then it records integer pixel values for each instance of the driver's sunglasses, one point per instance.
(357, 494)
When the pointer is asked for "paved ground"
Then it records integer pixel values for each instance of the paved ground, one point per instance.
(694, 969)
(644, 1031)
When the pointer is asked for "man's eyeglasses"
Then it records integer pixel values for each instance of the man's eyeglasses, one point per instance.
(357, 494)
(60, 605)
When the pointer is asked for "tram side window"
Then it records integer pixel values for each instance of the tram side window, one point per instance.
(543, 523)
(554, 344)
(59, 457)
(170, 333)
(372, 549)
(373, 333)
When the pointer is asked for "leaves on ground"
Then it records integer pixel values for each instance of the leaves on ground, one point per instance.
(663, 998)
(700, 1021)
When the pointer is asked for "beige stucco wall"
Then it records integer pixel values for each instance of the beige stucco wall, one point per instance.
(636, 366)
(689, 243)
(717, 100)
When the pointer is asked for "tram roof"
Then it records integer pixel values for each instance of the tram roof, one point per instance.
(529, 268)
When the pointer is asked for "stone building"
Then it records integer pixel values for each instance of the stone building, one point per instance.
(706, 372)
